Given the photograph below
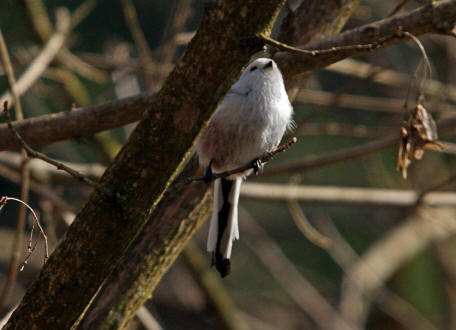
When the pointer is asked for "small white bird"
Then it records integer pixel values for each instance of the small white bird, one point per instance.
(250, 121)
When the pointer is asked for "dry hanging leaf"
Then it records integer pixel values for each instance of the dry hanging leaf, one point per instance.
(418, 133)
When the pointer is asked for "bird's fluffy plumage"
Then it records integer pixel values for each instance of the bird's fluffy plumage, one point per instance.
(250, 121)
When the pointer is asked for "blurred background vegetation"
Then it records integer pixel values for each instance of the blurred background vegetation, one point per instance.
(331, 118)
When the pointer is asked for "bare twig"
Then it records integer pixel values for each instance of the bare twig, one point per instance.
(344, 195)
(137, 34)
(305, 227)
(383, 258)
(344, 154)
(38, 188)
(180, 13)
(388, 77)
(43, 26)
(342, 129)
(398, 7)
(263, 159)
(42, 171)
(24, 182)
(212, 288)
(427, 68)
(6, 317)
(41, 62)
(81, 12)
(361, 102)
(333, 50)
(417, 22)
(344, 255)
(147, 319)
(3, 201)
(435, 187)
(294, 284)
(35, 154)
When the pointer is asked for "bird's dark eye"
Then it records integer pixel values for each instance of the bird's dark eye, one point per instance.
(253, 68)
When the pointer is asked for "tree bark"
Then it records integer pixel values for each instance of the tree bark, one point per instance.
(144, 168)
(133, 280)
(177, 217)
(437, 17)
(434, 18)
(162, 250)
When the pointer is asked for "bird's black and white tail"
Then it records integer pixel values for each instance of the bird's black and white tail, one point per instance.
(224, 223)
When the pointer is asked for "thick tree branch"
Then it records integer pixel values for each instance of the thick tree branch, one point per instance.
(144, 168)
(93, 119)
(437, 17)
(76, 123)
(139, 274)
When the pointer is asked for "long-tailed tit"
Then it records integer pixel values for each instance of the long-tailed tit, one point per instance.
(250, 121)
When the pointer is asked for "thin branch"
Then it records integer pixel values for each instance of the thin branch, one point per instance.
(36, 221)
(215, 294)
(344, 255)
(24, 182)
(147, 319)
(344, 154)
(427, 69)
(35, 154)
(398, 7)
(389, 77)
(299, 289)
(332, 50)
(362, 102)
(159, 155)
(39, 189)
(344, 195)
(137, 34)
(43, 26)
(116, 113)
(341, 129)
(384, 257)
(263, 159)
(305, 227)
(451, 179)
(41, 62)
(82, 11)
(181, 11)
(420, 21)
(42, 171)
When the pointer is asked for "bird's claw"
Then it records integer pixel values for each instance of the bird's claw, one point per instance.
(209, 175)
(257, 166)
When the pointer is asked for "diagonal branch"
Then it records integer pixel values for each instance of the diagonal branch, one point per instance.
(93, 119)
(35, 154)
(263, 159)
(437, 17)
(147, 164)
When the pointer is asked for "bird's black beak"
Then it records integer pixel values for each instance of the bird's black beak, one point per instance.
(268, 65)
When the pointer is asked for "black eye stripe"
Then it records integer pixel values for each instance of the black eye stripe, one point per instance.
(253, 68)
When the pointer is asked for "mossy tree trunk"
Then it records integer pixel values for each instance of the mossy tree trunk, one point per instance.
(145, 167)
(134, 279)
